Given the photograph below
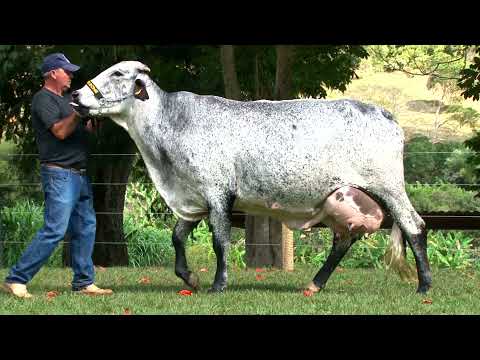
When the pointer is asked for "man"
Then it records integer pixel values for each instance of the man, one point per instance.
(62, 145)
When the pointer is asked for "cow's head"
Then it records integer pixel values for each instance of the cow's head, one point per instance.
(112, 92)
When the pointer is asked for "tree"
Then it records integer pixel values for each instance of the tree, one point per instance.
(232, 88)
(469, 82)
(442, 64)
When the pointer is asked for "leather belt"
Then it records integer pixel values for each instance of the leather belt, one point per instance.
(75, 170)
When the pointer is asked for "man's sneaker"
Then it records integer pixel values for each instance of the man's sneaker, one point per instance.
(94, 290)
(18, 290)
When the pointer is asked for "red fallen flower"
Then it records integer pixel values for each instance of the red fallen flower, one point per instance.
(145, 280)
(308, 293)
(427, 301)
(259, 277)
(185, 292)
(259, 270)
(203, 270)
(127, 311)
(52, 294)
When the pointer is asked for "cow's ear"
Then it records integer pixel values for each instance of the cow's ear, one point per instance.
(140, 90)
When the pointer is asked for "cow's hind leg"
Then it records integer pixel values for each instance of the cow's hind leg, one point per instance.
(220, 215)
(413, 230)
(340, 247)
(182, 229)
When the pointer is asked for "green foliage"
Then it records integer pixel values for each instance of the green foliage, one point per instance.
(19, 224)
(452, 249)
(470, 78)
(441, 62)
(145, 205)
(442, 197)
(148, 245)
(463, 115)
(11, 175)
(314, 249)
(428, 162)
(318, 68)
(200, 244)
(314, 70)
(473, 160)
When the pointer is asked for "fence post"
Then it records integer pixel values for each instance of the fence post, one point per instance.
(287, 249)
(268, 243)
(263, 241)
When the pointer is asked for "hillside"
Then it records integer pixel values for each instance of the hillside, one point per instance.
(408, 99)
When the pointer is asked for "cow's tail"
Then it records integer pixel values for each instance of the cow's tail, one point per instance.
(395, 256)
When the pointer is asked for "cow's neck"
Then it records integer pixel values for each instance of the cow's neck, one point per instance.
(146, 127)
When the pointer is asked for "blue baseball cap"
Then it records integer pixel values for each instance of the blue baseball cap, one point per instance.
(57, 61)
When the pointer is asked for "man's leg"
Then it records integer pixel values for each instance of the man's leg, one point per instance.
(60, 195)
(83, 228)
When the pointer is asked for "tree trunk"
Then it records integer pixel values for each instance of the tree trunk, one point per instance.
(232, 88)
(283, 78)
(263, 235)
(110, 199)
(263, 240)
(1, 248)
(436, 124)
(268, 242)
(257, 78)
(262, 88)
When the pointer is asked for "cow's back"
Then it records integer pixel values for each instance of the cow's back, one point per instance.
(291, 154)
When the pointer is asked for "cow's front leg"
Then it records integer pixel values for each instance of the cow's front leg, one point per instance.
(220, 216)
(182, 229)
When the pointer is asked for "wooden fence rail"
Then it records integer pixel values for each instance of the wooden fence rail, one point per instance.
(433, 221)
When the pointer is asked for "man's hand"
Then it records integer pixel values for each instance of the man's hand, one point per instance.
(80, 110)
(90, 125)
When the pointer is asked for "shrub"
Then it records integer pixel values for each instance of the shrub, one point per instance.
(201, 248)
(446, 249)
(148, 245)
(442, 197)
(144, 204)
(450, 249)
(428, 162)
(19, 224)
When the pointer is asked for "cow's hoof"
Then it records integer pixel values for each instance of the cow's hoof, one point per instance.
(422, 289)
(193, 281)
(313, 288)
(216, 290)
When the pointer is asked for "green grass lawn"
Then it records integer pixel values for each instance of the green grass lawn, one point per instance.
(349, 291)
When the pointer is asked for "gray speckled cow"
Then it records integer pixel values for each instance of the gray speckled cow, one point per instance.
(209, 156)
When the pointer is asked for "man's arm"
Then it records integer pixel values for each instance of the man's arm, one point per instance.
(65, 127)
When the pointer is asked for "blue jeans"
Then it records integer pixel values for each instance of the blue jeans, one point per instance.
(68, 207)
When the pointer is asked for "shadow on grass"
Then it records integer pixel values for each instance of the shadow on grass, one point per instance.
(204, 288)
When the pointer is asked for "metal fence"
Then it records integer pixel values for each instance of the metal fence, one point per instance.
(434, 220)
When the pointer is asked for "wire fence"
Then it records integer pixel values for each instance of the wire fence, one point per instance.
(7, 157)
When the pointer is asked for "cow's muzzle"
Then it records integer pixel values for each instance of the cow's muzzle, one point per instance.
(80, 109)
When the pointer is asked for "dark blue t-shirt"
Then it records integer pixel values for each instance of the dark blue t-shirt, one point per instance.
(47, 109)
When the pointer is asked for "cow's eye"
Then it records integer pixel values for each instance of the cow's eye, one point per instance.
(117, 73)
